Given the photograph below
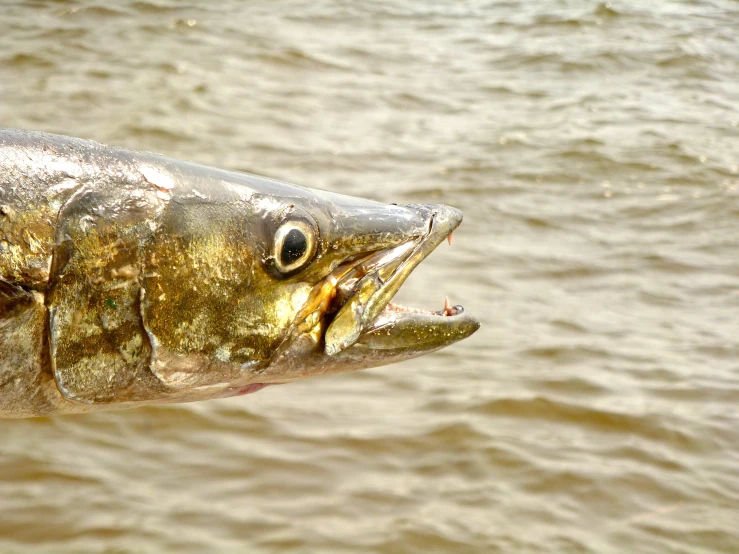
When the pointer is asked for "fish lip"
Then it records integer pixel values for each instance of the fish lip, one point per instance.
(369, 317)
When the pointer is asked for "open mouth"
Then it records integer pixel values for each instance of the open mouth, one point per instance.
(363, 293)
(353, 303)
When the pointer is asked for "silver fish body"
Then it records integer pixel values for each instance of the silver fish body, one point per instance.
(128, 278)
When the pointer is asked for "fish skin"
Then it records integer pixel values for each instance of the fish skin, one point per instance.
(128, 278)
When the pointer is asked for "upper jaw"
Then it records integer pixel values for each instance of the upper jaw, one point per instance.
(365, 292)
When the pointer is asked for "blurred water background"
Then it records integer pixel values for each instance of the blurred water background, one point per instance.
(594, 149)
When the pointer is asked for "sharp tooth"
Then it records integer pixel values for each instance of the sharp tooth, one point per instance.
(449, 238)
(447, 306)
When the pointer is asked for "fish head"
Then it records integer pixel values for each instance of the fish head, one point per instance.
(291, 283)
(348, 321)
(348, 257)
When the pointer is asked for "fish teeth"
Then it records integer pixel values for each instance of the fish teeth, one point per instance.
(446, 311)
(400, 308)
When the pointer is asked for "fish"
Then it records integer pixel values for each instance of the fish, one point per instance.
(129, 278)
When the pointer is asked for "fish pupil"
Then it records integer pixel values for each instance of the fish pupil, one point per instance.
(294, 247)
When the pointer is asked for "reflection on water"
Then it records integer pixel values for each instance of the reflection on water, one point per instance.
(594, 150)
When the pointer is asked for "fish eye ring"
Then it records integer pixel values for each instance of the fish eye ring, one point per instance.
(295, 245)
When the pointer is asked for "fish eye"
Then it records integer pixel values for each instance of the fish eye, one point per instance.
(295, 244)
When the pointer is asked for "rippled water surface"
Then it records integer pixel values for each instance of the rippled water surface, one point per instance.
(594, 148)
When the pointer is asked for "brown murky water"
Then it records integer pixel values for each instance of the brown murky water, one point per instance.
(594, 148)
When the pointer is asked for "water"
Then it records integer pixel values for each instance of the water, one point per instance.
(594, 148)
